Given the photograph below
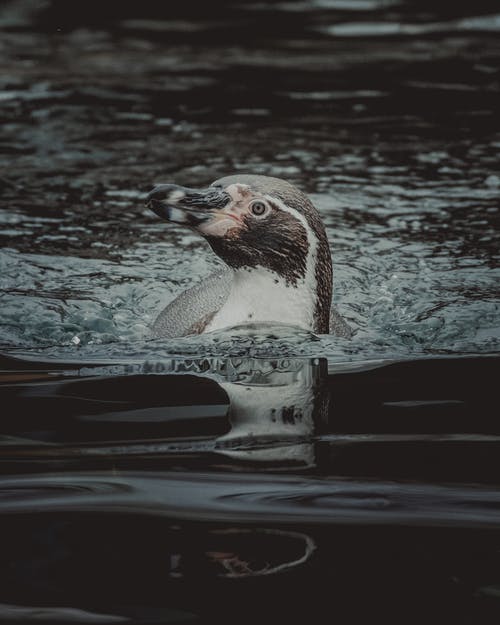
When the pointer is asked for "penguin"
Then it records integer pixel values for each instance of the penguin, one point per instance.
(274, 244)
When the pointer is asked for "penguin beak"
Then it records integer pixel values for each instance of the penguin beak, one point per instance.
(189, 207)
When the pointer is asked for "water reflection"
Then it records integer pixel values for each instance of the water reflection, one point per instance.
(275, 409)
(239, 553)
(55, 614)
(203, 483)
(254, 414)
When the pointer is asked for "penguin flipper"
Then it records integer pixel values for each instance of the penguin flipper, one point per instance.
(193, 309)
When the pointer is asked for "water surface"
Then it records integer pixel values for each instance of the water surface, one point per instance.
(385, 113)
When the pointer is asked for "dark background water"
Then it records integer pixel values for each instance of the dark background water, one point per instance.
(140, 481)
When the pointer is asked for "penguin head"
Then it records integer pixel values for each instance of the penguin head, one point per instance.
(253, 221)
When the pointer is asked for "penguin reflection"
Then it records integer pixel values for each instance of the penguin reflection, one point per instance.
(240, 552)
(276, 407)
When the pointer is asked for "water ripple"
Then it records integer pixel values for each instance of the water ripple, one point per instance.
(238, 498)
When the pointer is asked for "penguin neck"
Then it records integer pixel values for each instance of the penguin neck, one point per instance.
(259, 295)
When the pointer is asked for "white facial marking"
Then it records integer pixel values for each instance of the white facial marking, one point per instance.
(239, 192)
(177, 216)
(175, 196)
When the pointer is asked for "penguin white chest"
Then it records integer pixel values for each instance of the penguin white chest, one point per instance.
(260, 295)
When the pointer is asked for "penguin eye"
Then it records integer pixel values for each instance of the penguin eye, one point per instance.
(258, 208)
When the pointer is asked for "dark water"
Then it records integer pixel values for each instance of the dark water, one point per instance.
(262, 490)
(259, 474)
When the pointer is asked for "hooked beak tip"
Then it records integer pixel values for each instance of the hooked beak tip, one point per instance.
(181, 205)
(158, 207)
(165, 193)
